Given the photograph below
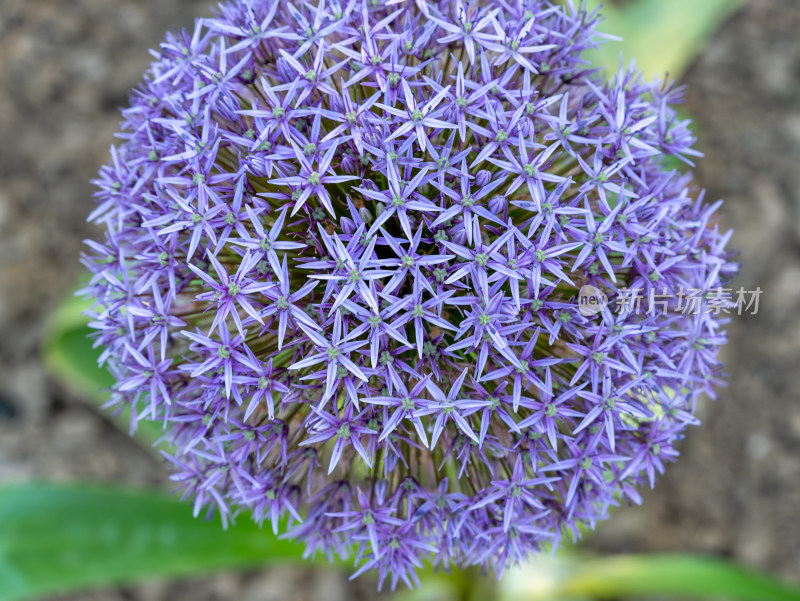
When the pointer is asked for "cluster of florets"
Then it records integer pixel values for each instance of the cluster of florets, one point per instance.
(343, 247)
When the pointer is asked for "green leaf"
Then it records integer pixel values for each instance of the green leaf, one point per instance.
(69, 355)
(620, 576)
(663, 36)
(59, 538)
(69, 352)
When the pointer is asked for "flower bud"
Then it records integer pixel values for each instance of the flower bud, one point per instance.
(365, 214)
(482, 178)
(285, 72)
(498, 205)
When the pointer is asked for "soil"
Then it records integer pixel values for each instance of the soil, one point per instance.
(65, 69)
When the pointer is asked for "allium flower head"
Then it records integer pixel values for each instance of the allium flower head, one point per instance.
(343, 245)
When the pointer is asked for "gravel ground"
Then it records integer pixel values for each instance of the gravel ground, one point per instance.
(65, 68)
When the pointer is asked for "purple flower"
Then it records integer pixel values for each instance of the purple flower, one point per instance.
(343, 247)
(224, 295)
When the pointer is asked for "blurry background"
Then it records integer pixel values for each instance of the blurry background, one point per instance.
(65, 69)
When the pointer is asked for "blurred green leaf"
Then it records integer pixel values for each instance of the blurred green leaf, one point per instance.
(58, 538)
(620, 576)
(68, 353)
(662, 35)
